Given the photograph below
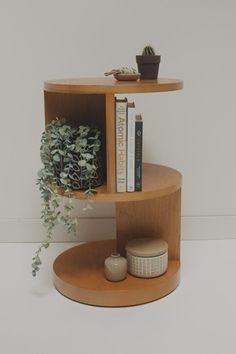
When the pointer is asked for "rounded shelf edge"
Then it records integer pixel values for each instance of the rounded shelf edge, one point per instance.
(158, 181)
(79, 275)
(110, 85)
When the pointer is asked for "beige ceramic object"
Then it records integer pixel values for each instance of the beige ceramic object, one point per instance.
(126, 77)
(115, 267)
(147, 257)
(147, 247)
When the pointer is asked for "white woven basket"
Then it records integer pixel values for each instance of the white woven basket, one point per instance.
(147, 267)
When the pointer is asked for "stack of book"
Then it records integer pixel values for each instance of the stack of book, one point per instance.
(129, 142)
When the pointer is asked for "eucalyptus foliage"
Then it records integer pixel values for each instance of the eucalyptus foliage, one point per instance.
(70, 161)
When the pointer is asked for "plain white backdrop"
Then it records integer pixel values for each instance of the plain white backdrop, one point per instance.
(192, 130)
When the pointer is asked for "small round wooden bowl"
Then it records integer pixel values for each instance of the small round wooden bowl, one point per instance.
(126, 77)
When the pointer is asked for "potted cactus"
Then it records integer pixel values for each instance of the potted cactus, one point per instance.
(148, 63)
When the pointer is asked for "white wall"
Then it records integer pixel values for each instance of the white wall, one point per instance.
(192, 130)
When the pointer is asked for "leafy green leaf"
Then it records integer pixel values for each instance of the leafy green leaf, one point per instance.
(56, 158)
(87, 156)
(64, 181)
(54, 151)
(67, 153)
(82, 163)
(89, 167)
(63, 175)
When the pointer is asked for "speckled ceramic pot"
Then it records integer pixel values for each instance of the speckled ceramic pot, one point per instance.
(147, 257)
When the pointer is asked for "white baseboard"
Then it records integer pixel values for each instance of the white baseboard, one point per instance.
(209, 227)
(31, 230)
(92, 229)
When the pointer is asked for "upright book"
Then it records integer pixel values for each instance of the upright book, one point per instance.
(138, 152)
(121, 144)
(130, 147)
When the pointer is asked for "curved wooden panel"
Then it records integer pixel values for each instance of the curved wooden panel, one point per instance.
(110, 85)
(78, 275)
(160, 217)
(158, 181)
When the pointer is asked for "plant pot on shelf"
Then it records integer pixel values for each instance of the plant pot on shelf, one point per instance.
(79, 177)
(148, 66)
(74, 160)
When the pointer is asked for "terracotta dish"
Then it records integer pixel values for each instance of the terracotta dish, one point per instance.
(126, 77)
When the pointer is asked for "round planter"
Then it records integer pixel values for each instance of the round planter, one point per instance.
(77, 173)
(79, 180)
(148, 66)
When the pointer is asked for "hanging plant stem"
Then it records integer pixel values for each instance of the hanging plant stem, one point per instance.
(71, 160)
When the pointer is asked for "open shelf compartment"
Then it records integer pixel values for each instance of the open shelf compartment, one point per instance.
(79, 275)
(153, 212)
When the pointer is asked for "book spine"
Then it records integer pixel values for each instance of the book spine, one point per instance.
(130, 147)
(121, 122)
(138, 152)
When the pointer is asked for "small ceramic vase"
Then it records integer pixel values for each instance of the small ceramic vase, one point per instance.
(115, 267)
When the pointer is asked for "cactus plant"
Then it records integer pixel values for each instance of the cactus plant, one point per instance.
(148, 50)
(148, 63)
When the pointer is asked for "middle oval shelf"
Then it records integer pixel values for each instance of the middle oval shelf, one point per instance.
(157, 181)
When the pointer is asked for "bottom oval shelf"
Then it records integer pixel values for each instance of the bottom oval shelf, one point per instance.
(78, 275)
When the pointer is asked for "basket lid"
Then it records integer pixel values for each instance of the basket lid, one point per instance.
(147, 247)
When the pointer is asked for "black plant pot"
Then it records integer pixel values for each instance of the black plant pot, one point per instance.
(80, 181)
(148, 66)
(78, 176)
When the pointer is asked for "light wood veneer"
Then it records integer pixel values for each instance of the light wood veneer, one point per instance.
(110, 85)
(154, 212)
(79, 275)
(158, 181)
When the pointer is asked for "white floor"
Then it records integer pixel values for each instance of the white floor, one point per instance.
(199, 317)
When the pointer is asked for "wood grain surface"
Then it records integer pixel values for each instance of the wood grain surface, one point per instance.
(110, 85)
(79, 275)
(158, 181)
(158, 217)
(153, 212)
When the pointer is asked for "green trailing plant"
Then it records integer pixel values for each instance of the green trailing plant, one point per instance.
(70, 158)
(148, 50)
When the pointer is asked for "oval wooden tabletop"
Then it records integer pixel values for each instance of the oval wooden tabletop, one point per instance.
(158, 181)
(110, 85)
(79, 275)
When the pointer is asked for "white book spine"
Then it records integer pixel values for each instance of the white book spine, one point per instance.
(121, 122)
(130, 147)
